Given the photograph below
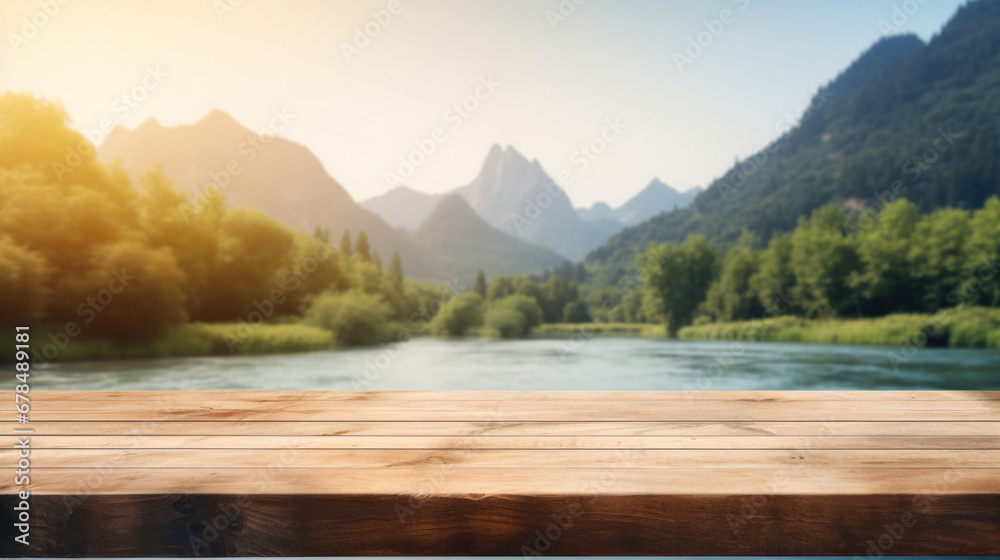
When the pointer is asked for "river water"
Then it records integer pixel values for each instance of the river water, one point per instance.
(603, 363)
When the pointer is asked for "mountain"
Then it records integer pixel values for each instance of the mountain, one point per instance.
(464, 243)
(276, 176)
(403, 207)
(597, 211)
(655, 199)
(286, 181)
(518, 197)
(916, 118)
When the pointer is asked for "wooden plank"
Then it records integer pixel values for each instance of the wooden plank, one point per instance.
(829, 409)
(186, 397)
(701, 413)
(491, 428)
(441, 479)
(509, 525)
(471, 441)
(547, 459)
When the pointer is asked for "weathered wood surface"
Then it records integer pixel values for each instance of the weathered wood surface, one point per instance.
(509, 473)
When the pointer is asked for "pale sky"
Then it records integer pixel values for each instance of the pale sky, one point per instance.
(554, 88)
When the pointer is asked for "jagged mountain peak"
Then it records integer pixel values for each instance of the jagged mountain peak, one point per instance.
(218, 119)
(504, 191)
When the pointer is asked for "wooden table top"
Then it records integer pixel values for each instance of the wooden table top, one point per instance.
(459, 473)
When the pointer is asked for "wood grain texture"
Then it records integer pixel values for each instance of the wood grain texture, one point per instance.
(509, 473)
(252, 427)
(268, 442)
(521, 458)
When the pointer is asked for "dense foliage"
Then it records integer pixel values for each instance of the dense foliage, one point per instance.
(459, 316)
(835, 264)
(511, 307)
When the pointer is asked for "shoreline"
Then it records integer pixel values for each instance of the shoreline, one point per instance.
(975, 327)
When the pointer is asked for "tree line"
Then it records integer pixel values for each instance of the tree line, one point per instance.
(510, 307)
(835, 263)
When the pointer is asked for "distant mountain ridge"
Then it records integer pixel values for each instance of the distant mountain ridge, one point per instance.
(517, 196)
(403, 207)
(286, 181)
(506, 193)
(654, 199)
(219, 150)
(464, 244)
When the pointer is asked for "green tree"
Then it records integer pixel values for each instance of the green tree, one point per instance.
(377, 261)
(354, 317)
(525, 286)
(345, 243)
(824, 262)
(938, 257)
(605, 305)
(320, 234)
(505, 322)
(499, 288)
(774, 282)
(396, 271)
(678, 279)
(316, 267)
(631, 307)
(463, 313)
(575, 312)
(480, 285)
(557, 293)
(361, 247)
(169, 221)
(133, 292)
(254, 250)
(23, 280)
(983, 261)
(513, 316)
(731, 297)
(885, 277)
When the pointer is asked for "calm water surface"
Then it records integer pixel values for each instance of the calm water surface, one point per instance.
(608, 363)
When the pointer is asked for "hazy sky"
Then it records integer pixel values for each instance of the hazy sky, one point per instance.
(556, 82)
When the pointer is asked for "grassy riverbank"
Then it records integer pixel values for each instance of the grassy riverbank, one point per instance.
(193, 339)
(565, 330)
(973, 327)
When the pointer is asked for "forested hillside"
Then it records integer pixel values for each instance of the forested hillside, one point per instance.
(463, 244)
(905, 119)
